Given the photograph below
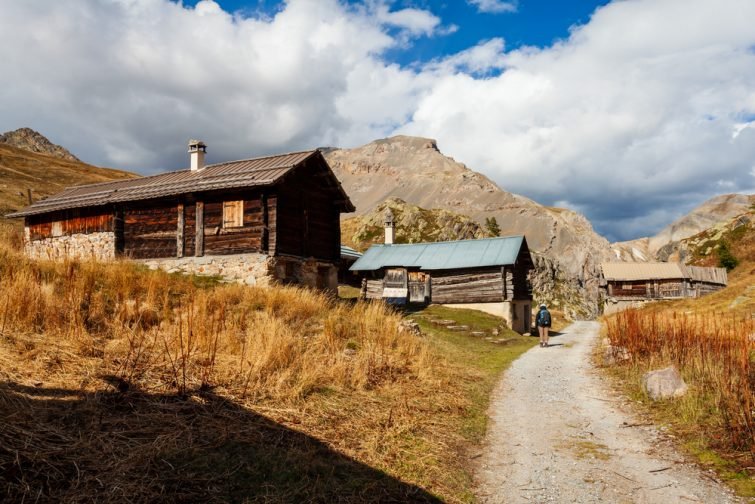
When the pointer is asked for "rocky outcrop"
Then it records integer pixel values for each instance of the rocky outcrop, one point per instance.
(32, 141)
(414, 170)
(413, 225)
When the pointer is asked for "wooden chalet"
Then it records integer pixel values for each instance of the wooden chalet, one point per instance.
(275, 217)
(629, 284)
(489, 274)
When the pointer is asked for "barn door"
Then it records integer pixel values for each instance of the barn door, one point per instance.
(419, 287)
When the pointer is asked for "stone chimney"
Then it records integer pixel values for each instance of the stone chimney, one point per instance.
(197, 150)
(390, 227)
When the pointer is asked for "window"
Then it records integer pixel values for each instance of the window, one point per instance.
(57, 228)
(233, 214)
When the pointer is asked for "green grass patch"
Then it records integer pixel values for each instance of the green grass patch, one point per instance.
(485, 360)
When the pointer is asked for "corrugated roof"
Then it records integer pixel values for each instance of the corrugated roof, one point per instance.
(235, 174)
(662, 271)
(443, 255)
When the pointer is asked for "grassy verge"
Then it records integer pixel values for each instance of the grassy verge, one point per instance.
(710, 341)
(124, 384)
(479, 360)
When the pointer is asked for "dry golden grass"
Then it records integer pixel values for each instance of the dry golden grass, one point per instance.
(122, 384)
(44, 175)
(711, 340)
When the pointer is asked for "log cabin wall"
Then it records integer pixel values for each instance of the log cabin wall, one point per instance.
(220, 239)
(483, 285)
(521, 285)
(70, 222)
(308, 218)
(190, 229)
(149, 230)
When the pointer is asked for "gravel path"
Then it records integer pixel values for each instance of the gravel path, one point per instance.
(558, 434)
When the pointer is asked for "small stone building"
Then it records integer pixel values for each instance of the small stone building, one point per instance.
(632, 284)
(254, 220)
(487, 274)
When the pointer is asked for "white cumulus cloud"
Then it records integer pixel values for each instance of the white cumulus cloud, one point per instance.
(494, 6)
(639, 115)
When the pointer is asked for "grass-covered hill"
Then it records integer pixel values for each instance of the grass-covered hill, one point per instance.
(44, 174)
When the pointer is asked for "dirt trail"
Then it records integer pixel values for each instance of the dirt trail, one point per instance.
(558, 434)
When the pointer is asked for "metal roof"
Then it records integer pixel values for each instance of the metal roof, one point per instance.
(662, 271)
(235, 174)
(710, 275)
(349, 252)
(443, 255)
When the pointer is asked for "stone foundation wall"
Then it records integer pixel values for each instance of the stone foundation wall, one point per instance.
(253, 269)
(250, 269)
(99, 246)
(514, 313)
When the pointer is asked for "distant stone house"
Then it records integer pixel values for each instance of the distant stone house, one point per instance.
(274, 218)
(489, 274)
(632, 284)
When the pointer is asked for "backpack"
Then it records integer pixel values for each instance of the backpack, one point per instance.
(544, 318)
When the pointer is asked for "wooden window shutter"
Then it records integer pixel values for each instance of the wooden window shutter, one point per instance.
(233, 214)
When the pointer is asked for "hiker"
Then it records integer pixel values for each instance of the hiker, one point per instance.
(543, 322)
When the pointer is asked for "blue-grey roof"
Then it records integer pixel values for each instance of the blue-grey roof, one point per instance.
(443, 255)
(349, 252)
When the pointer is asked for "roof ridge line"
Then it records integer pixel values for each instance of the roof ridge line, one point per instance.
(450, 241)
(140, 177)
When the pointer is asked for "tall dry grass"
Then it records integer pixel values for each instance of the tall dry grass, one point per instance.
(163, 333)
(715, 353)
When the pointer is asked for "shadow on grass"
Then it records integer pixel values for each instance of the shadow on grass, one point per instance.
(67, 445)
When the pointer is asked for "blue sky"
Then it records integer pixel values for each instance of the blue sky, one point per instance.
(534, 23)
(631, 111)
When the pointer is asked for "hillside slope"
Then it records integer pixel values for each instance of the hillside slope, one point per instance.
(44, 175)
(664, 246)
(414, 170)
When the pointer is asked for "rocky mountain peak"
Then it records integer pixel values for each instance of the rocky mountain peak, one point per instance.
(33, 141)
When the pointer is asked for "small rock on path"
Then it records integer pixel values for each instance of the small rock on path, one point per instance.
(559, 434)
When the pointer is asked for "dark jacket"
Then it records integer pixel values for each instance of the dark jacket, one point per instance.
(543, 318)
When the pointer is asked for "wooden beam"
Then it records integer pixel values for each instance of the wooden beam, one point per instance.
(266, 224)
(199, 239)
(180, 231)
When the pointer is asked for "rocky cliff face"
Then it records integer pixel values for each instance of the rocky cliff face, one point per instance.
(29, 140)
(668, 245)
(413, 225)
(414, 170)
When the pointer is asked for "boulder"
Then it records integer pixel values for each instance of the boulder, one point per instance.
(664, 383)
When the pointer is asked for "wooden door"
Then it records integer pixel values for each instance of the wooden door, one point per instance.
(419, 287)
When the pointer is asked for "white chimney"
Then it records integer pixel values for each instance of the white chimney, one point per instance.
(390, 227)
(197, 150)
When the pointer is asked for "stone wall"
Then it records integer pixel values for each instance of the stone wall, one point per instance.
(99, 246)
(514, 313)
(253, 269)
(250, 269)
